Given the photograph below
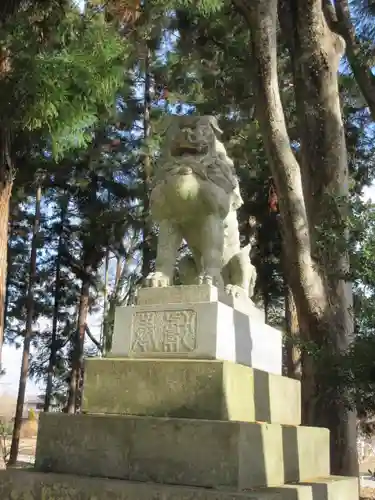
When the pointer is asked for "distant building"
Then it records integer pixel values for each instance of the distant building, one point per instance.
(33, 403)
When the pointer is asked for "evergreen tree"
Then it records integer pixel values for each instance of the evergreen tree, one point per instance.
(58, 70)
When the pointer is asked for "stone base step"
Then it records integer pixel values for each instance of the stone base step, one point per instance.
(192, 322)
(29, 485)
(212, 390)
(204, 453)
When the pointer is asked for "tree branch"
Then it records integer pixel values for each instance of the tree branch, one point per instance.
(330, 14)
(93, 339)
(361, 71)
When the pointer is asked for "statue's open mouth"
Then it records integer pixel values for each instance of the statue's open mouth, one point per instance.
(188, 149)
(185, 170)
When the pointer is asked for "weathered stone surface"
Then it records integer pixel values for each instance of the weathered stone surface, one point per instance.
(216, 390)
(179, 451)
(22, 485)
(179, 295)
(195, 197)
(196, 294)
(330, 488)
(201, 330)
(310, 445)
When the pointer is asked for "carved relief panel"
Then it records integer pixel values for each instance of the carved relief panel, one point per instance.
(164, 331)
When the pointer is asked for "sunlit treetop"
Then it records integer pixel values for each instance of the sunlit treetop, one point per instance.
(60, 70)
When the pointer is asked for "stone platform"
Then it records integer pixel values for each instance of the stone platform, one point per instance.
(189, 452)
(208, 389)
(198, 322)
(27, 485)
(180, 427)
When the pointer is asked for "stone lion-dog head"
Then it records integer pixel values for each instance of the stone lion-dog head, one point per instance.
(195, 160)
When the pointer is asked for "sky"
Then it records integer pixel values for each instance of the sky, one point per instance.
(11, 362)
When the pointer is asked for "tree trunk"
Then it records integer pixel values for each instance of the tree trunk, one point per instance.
(112, 304)
(28, 333)
(340, 21)
(292, 352)
(9, 256)
(82, 320)
(54, 342)
(104, 327)
(147, 227)
(3, 328)
(315, 54)
(78, 350)
(5, 193)
(70, 404)
(322, 298)
(266, 305)
(6, 184)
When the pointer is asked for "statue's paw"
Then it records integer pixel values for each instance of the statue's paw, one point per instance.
(156, 279)
(235, 290)
(208, 279)
(205, 279)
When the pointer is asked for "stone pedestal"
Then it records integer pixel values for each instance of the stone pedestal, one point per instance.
(196, 322)
(179, 427)
(199, 389)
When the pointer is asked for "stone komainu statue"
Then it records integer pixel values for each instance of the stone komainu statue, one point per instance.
(195, 197)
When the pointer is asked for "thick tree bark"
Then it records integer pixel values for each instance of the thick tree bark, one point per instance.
(69, 407)
(79, 341)
(340, 21)
(28, 333)
(266, 305)
(316, 52)
(292, 352)
(6, 185)
(5, 193)
(112, 304)
(104, 326)
(147, 227)
(7, 289)
(82, 321)
(322, 299)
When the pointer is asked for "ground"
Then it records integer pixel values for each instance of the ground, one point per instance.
(368, 493)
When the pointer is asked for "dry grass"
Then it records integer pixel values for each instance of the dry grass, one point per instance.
(29, 428)
(27, 446)
(367, 494)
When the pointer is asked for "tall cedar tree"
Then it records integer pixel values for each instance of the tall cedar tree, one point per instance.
(44, 81)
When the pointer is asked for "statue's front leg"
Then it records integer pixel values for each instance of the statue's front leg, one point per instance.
(212, 243)
(168, 242)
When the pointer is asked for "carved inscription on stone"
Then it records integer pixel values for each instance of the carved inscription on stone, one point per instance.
(164, 331)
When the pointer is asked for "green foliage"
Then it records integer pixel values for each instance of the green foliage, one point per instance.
(204, 7)
(61, 81)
